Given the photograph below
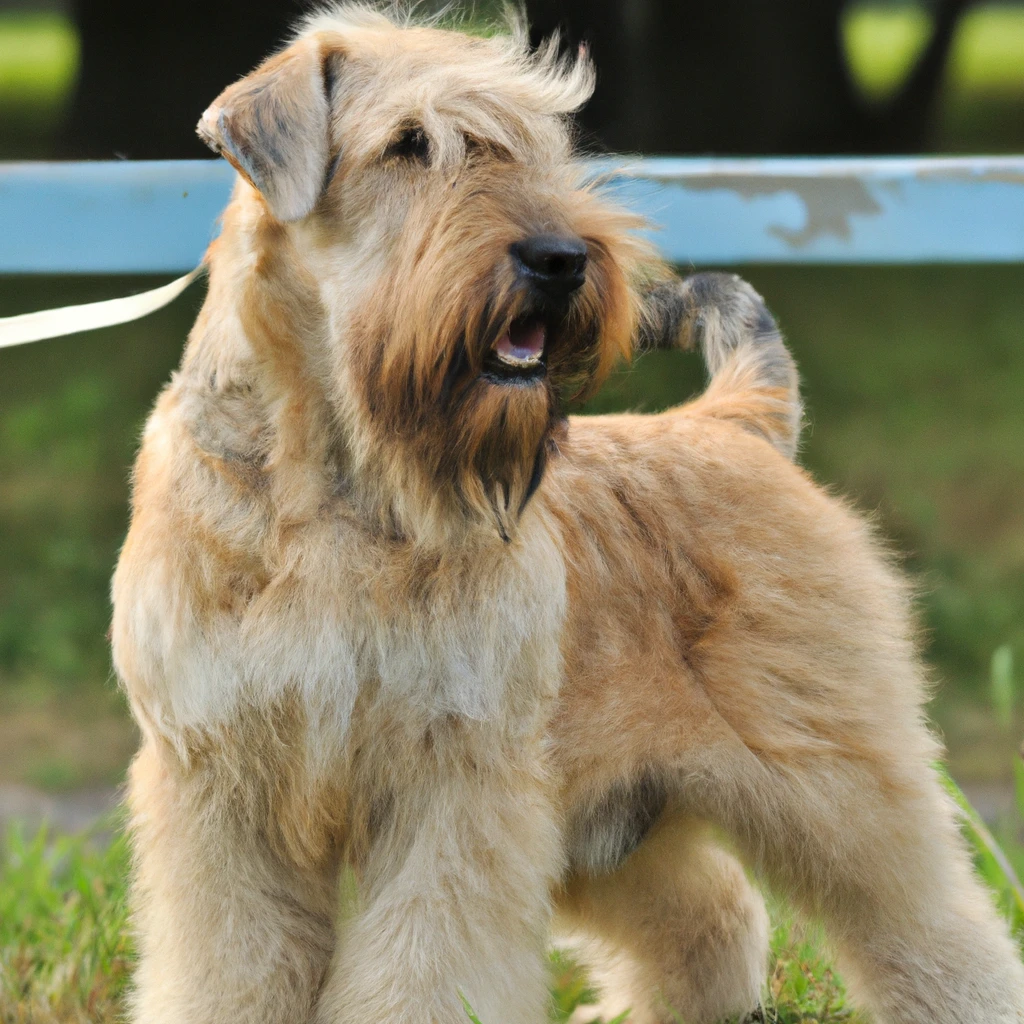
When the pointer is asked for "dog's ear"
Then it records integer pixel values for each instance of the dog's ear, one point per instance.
(273, 126)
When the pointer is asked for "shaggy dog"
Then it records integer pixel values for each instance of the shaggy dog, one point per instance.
(391, 623)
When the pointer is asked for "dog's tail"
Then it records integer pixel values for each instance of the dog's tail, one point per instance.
(753, 376)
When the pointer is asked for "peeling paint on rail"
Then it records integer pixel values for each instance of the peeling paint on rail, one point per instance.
(158, 216)
(829, 202)
(856, 210)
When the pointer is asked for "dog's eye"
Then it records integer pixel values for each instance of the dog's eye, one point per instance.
(412, 144)
(477, 149)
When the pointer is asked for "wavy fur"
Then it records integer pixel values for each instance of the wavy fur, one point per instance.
(385, 613)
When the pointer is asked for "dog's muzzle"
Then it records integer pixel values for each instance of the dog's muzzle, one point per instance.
(551, 268)
(553, 264)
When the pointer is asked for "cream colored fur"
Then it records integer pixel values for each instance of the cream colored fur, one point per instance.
(384, 616)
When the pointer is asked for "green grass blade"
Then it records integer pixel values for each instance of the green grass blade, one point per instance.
(999, 871)
(1002, 688)
(469, 1009)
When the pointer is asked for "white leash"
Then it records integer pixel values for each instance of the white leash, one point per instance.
(54, 323)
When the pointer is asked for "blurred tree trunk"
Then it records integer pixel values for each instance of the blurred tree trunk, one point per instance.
(684, 76)
(732, 76)
(149, 68)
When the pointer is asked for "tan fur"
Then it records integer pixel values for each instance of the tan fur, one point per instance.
(381, 614)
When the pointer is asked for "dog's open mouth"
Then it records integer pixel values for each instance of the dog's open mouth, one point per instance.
(518, 354)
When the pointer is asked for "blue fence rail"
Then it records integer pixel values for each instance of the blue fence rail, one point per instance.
(158, 216)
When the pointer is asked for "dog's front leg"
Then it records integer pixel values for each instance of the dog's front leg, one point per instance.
(230, 929)
(455, 899)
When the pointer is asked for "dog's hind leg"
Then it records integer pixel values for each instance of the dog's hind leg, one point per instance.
(869, 845)
(677, 931)
(227, 929)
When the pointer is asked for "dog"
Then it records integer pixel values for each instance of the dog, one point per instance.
(393, 624)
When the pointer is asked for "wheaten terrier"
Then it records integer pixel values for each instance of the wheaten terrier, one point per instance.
(386, 614)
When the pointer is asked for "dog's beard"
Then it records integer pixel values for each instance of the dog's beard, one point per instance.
(488, 422)
(473, 388)
(495, 446)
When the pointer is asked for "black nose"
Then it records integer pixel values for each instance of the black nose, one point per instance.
(554, 263)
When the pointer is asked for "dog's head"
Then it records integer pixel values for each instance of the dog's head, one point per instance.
(471, 281)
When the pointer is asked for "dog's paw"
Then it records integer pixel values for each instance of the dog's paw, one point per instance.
(598, 1013)
(759, 1016)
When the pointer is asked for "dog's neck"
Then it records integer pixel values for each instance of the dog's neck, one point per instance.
(269, 389)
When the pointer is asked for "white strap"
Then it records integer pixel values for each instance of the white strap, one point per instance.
(54, 323)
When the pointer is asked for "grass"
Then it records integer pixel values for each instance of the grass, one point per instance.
(56, 739)
(66, 954)
(912, 379)
(65, 951)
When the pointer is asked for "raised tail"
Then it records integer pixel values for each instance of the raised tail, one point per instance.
(754, 379)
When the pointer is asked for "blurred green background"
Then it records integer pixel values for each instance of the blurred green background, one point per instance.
(914, 380)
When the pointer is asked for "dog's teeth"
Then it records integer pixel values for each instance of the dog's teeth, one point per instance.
(522, 344)
(515, 360)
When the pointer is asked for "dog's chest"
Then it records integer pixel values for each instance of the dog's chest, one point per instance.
(333, 613)
(470, 633)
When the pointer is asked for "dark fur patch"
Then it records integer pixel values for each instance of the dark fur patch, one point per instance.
(539, 465)
(665, 312)
(600, 837)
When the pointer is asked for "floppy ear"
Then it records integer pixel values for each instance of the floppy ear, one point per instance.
(273, 127)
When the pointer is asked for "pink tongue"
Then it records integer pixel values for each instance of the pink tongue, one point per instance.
(522, 341)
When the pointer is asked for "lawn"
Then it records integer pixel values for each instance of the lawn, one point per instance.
(66, 952)
(65, 949)
(912, 378)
